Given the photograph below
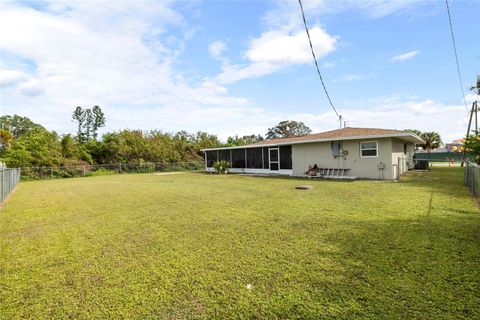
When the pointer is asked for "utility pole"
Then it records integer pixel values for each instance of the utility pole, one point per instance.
(476, 89)
(476, 119)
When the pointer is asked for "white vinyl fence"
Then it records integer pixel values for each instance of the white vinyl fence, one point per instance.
(9, 179)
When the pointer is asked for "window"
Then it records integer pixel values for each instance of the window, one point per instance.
(369, 149)
(224, 155)
(254, 158)
(212, 157)
(238, 158)
(266, 163)
(405, 148)
(286, 157)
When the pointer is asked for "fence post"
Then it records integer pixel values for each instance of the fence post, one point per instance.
(84, 171)
(7, 182)
(473, 181)
(465, 175)
(2, 184)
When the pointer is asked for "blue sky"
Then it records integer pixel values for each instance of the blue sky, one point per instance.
(238, 67)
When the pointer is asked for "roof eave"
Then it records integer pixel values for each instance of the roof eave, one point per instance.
(407, 136)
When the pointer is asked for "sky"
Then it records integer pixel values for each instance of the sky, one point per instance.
(239, 67)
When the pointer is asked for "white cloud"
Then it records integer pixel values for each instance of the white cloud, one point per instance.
(405, 56)
(390, 113)
(381, 8)
(470, 97)
(233, 73)
(285, 14)
(277, 47)
(11, 78)
(217, 48)
(116, 55)
(328, 65)
(354, 77)
(121, 57)
(31, 88)
(274, 50)
(397, 113)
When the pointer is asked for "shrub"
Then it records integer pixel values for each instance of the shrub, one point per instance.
(221, 166)
(472, 144)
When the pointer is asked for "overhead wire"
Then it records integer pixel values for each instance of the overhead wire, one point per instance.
(456, 55)
(323, 82)
(315, 59)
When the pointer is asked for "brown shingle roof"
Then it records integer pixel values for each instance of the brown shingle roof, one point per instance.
(339, 134)
(333, 134)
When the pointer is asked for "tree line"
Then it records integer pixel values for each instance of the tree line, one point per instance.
(24, 143)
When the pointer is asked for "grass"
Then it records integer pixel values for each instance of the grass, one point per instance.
(186, 246)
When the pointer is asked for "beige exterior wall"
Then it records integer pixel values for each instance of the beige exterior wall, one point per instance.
(400, 158)
(320, 153)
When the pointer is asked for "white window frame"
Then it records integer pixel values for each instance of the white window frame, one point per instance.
(376, 149)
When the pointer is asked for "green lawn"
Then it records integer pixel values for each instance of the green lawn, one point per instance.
(186, 246)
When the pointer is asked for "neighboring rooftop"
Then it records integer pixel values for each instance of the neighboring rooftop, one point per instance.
(338, 134)
(458, 141)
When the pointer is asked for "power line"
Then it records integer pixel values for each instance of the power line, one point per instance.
(456, 55)
(315, 59)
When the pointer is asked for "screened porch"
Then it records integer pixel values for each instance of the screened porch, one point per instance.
(272, 159)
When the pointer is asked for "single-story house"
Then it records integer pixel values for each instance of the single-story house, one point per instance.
(343, 153)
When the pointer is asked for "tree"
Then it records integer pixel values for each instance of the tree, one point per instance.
(472, 145)
(414, 131)
(37, 147)
(245, 140)
(18, 125)
(69, 149)
(80, 116)
(204, 140)
(432, 140)
(98, 120)
(6, 138)
(286, 129)
(476, 88)
(88, 122)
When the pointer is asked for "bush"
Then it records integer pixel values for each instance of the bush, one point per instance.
(221, 167)
(472, 144)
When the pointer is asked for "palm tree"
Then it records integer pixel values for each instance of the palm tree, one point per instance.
(432, 140)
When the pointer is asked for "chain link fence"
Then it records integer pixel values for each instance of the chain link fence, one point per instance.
(472, 178)
(58, 172)
(9, 179)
